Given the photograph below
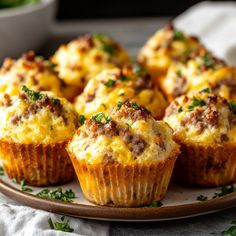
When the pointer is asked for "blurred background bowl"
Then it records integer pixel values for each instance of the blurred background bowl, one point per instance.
(26, 27)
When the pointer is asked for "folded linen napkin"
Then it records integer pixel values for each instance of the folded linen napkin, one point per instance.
(215, 24)
(20, 220)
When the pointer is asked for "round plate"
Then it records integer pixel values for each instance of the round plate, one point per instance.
(180, 202)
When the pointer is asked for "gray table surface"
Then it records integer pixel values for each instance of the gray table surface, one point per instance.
(132, 33)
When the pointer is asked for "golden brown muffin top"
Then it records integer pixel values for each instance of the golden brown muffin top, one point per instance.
(203, 117)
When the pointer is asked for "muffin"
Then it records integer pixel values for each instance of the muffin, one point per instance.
(125, 159)
(197, 74)
(204, 125)
(30, 70)
(86, 56)
(34, 130)
(166, 46)
(113, 86)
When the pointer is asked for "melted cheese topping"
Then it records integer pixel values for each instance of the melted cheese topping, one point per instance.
(42, 127)
(107, 97)
(164, 47)
(199, 123)
(94, 150)
(33, 72)
(85, 57)
(184, 78)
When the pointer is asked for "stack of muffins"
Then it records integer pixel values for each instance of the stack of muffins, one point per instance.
(120, 127)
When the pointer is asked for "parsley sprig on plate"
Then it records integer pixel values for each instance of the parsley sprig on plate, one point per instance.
(57, 194)
(24, 188)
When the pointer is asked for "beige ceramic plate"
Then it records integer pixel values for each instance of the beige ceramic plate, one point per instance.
(179, 203)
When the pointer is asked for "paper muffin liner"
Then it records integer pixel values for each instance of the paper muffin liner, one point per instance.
(37, 164)
(124, 185)
(206, 165)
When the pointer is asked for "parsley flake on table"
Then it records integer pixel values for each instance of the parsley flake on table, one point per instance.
(24, 188)
(60, 226)
(57, 194)
(196, 102)
(155, 204)
(101, 118)
(231, 230)
(110, 83)
(202, 198)
(1, 170)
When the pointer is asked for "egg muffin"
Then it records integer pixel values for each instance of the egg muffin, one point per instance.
(113, 86)
(166, 46)
(30, 70)
(34, 130)
(205, 126)
(197, 74)
(86, 56)
(124, 159)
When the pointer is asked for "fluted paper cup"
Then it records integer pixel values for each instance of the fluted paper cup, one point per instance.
(37, 164)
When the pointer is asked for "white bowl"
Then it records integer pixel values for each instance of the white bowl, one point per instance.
(25, 28)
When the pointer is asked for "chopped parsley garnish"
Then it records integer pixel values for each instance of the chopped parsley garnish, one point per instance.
(205, 90)
(180, 109)
(231, 230)
(104, 105)
(55, 100)
(23, 186)
(57, 194)
(101, 118)
(128, 125)
(138, 71)
(119, 104)
(208, 61)
(225, 190)
(33, 95)
(196, 103)
(202, 198)
(1, 170)
(155, 204)
(134, 106)
(178, 35)
(51, 64)
(61, 226)
(81, 119)
(125, 78)
(179, 73)
(232, 107)
(110, 83)
(108, 48)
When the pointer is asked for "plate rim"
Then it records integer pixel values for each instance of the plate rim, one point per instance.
(117, 213)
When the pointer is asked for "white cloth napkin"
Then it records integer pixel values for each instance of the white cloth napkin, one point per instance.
(215, 24)
(17, 220)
